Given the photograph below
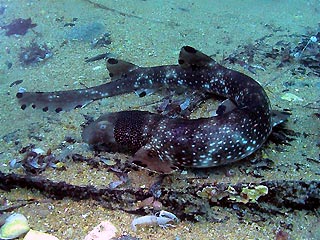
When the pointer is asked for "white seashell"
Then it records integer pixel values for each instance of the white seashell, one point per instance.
(291, 97)
(36, 235)
(38, 151)
(14, 226)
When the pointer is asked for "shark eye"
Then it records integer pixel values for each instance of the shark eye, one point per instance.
(103, 125)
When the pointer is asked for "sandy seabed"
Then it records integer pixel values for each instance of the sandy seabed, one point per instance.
(150, 33)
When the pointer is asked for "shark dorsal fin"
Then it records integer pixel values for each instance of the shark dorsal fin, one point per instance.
(190, 57)
(119, 68)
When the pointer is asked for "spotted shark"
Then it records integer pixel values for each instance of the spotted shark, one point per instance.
(241, 125)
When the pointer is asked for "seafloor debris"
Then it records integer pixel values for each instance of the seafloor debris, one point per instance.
(34, 53)
(14, 226)
(36, 160)
(19, 26)
(36, 235)
(126, 237)
(101, 41)
(105, 230)
(163, 219)
(86, 32)
(291, 97)
(185, 201)
(306, 52)
(15, 83)
(181, 105)
(249, 194)
(5, 207)
(98, 57)
(313, 39)
(151, 203)
(282, 235)
(130, 15)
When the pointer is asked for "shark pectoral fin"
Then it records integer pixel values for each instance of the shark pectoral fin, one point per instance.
(190, 57)
(119, 68)
(149, 159)
(279, 117)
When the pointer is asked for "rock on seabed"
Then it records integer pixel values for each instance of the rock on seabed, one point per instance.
(104, 231)
(36, 235)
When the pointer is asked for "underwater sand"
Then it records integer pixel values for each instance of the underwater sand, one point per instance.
(151, 33)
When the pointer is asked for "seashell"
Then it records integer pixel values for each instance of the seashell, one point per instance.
(291, 97)
(38, 151)
(36, 235)
(14, 226)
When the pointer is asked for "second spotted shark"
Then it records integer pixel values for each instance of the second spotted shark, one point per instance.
(242, 124)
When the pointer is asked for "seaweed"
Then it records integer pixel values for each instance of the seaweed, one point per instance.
(34, 53)
(187, 202)
(101, 41)
(98, 57)
(19, 26)
(283, 53)
(307, 52)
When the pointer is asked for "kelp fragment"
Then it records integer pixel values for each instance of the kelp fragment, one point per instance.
(185, 202)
